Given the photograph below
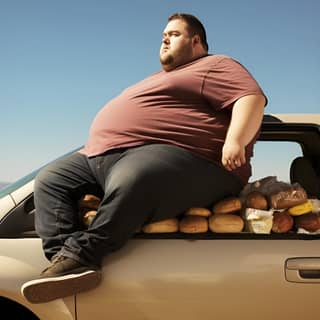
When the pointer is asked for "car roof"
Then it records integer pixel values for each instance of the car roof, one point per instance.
(293, 118)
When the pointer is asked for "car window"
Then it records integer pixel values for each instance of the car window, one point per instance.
(273, 158)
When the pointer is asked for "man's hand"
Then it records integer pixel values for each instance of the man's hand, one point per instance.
(233, 155)
(247, 114)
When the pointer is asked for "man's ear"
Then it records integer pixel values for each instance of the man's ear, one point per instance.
(196, 40)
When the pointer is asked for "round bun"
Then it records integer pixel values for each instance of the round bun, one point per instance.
(89, 201)
(309, 222)
(88, 217)
(226, 223)
(202, 212)
(163, 226)
(256, 200)
(193, 224)
(228, 205)
(282, 222)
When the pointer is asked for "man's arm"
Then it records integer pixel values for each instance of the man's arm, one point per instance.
(247, 114)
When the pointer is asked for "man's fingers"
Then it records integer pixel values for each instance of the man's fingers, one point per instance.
(243, 159)
(232, 164)
(225, 163)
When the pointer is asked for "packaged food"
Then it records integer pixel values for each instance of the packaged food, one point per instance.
(288, 197)
(301, 209)
(258, 221)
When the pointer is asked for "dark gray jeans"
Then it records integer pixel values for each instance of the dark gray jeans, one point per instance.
(137, 185)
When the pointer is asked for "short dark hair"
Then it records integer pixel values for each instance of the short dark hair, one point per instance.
(194, 26)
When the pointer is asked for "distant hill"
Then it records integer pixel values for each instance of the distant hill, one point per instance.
(3, 184)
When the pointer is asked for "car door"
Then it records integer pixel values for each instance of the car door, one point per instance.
(208, 278)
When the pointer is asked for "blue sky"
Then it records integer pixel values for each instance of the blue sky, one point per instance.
(62, 60)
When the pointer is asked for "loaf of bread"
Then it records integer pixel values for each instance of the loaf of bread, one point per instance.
(227, 205)
(89, 201)
(288, 198)
(163, 226)
(309, 222)
(256, 200)
(193, 224)
(282, 222)
(226, 223)
(202, 212)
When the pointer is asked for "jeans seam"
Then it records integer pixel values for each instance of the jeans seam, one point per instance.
(57, 216)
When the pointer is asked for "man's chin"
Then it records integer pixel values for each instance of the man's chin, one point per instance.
(166, 59)
(166, 62)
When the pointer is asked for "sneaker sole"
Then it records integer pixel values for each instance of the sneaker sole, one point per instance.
(48, 289)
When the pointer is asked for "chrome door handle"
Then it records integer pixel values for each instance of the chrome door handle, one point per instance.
(305, 270)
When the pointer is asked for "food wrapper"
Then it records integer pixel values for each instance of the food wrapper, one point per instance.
(315, 205)
(286, 198)
(280, 195)
(304, 231)
(258, 221)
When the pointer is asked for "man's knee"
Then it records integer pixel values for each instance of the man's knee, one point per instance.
(43, 177)
(128, 180)
(49, 176)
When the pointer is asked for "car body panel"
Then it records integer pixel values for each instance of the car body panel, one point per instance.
(21, 259)
(161, 279)
(298, 118)
(6, 205)
(23, 192)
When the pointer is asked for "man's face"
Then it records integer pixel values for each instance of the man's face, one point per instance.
(176, 48)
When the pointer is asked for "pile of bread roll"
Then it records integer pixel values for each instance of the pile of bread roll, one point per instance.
(283, 211)
(281, 208)
(88, 206)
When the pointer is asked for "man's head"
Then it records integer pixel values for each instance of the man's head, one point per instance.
(183, 40)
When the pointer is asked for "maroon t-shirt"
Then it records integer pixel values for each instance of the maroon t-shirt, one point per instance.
(189, 107)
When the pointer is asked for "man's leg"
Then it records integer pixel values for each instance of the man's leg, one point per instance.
(150, 183)
(58, 188)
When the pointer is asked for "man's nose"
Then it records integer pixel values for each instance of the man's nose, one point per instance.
(165, 40)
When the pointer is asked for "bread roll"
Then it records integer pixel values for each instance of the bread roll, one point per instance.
(309, 222)
(228, 205)
(282, 222)
(202, 212)
(193, 224)
(256, 200)
(163, 226)
(88, 217)
(89, 201)
(226, 223)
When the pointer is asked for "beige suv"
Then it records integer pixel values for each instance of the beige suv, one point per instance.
(173, 276)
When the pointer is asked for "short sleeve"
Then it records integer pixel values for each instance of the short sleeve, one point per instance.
(226, 82)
